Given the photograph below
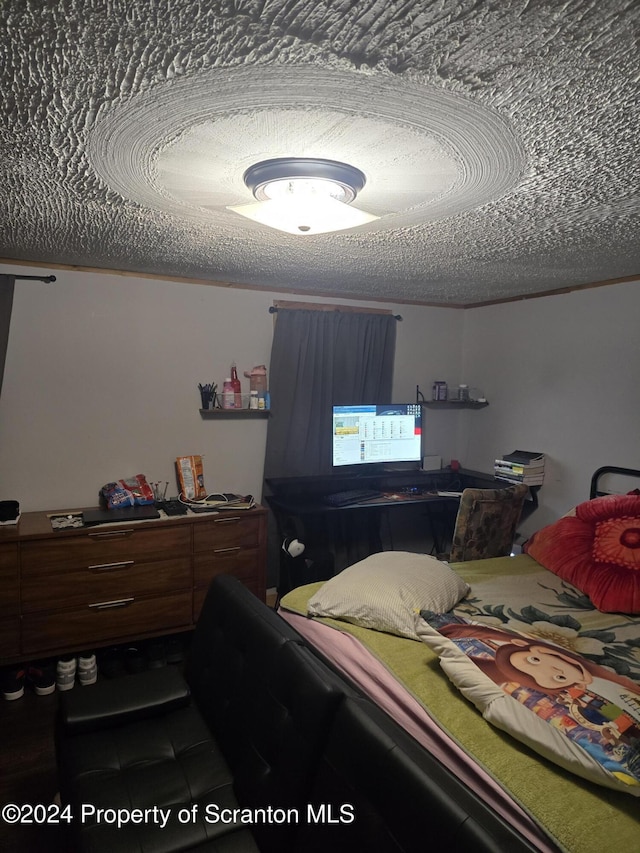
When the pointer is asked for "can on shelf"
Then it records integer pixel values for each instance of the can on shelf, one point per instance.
(439, 391)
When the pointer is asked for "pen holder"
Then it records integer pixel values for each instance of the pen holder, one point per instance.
(209, 399)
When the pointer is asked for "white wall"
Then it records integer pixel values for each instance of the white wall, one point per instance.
(562, 374)
(429, 347)
(102, 372)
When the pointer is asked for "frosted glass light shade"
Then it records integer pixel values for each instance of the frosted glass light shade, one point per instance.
(318, 214)
(304, 195)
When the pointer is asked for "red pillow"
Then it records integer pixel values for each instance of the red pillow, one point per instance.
(597, 549)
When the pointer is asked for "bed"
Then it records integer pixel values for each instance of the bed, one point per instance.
(397, 653)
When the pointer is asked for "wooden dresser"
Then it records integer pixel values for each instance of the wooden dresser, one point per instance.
(74, 589)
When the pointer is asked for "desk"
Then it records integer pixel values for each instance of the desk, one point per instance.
(352, 532)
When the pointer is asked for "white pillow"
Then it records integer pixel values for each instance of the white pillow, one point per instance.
(384, 591)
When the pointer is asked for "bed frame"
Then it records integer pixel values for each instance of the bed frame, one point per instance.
(597, 491)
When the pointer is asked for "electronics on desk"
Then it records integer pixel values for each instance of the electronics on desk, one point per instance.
(9, 512)
(172, 507)
(221, 501)
(211, 503)
(352, 496)
(371, 434)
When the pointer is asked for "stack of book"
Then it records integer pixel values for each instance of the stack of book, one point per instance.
(521, 466)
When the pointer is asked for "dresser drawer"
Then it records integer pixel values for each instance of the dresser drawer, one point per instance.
(9, 636)
(9, 556)
(103, 582)
(9, 595)
(104, 546)
(66, 590)
(227, 531)
(88, 625)
(244, 565)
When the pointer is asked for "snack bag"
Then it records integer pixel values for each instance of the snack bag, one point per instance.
(190, 477)
(114, 496)
(134, 491)
(139, 488)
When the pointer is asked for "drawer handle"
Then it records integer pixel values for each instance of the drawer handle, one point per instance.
(234, 520)
(110, 534)
(109, 605)
(226, 550)
(109, 567)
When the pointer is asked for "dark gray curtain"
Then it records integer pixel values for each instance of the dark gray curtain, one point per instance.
(320, 359)
(6, 303)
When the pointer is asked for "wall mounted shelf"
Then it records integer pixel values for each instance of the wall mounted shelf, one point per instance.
(454, 404)
(234, 413)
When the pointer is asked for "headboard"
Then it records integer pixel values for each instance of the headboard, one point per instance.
(630, 480)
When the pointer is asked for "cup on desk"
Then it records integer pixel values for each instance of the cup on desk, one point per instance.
(454, 465)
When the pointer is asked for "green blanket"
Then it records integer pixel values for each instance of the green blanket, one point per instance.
(581, 817)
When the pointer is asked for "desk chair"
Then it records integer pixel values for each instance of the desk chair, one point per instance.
(486, 523)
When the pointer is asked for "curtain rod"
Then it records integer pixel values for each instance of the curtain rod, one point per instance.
(46, 279)
(274, 310)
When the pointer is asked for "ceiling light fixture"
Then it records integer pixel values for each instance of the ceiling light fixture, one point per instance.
(304, 195)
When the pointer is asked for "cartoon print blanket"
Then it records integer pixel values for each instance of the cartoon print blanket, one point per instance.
(567, 708)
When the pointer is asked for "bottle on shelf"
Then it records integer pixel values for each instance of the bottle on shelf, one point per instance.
(237, 388)
(228, 396)
(257, 377)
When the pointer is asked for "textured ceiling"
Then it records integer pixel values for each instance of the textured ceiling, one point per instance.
(499, 140)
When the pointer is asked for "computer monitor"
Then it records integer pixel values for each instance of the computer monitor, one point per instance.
(376, 435)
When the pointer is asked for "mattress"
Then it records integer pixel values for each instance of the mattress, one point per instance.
(550, 806)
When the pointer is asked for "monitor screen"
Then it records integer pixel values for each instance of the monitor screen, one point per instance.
(369, 434)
